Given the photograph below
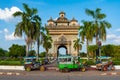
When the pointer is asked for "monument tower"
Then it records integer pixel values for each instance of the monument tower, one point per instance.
(63, 33)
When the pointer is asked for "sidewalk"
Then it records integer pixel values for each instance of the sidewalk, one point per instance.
(4, 67)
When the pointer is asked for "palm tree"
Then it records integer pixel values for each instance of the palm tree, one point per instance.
(77, 45)
(26, 25)
(92, 50)
(36, 35)
(99, 24)
(85, 32)
(47, 43)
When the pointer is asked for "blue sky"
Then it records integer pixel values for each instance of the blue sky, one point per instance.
(51, 8)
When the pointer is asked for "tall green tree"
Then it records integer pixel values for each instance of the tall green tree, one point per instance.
(99, 24)
(86, 34)
(108, 50)
(32, 53)
(47, 42)
(37, 34)
(26, 25)
(77, 45)
(3, 52)
(16, 51)
(92, 50)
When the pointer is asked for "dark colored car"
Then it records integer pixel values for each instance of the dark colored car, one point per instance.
(46, 61)
(30, 63)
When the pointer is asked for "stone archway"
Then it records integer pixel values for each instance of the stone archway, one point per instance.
(59, 52)
(63, 33)
(62, 42)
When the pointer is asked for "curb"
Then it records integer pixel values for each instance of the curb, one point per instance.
(22, 67)
(4, 67)
(112, 73)
(9, 73)
(116, 67)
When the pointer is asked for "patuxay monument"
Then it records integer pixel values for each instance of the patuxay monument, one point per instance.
(63, 33)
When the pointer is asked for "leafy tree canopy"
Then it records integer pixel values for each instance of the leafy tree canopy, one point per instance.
(2, 52)
(16, 51)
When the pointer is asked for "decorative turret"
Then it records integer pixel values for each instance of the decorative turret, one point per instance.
(62, 21)
(51, 21)
(62, 14)
(73, 21)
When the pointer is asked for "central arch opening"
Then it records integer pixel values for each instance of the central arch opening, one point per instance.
(62, 50)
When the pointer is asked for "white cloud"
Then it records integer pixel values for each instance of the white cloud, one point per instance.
(111, 36)
(6, 14)
(6, 30)
(11, 37)
(114, 38)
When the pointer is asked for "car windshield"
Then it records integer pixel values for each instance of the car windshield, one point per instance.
(64, 59)
(30, 60)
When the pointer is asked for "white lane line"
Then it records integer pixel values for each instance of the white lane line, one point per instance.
(113, 73)
(104, 74)
(9, 73)
(1, 73)
(17, 73)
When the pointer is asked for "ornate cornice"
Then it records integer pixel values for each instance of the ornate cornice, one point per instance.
(62, 27)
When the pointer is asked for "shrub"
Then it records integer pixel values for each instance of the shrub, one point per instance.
(10, 63)
(90, 62)
(116, 62)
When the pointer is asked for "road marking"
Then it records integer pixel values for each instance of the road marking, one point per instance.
(9, 73)
(17, 73)
(1, 73)
(114, 73)
(104, 74)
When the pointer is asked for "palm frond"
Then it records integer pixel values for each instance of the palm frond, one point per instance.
(18, 13)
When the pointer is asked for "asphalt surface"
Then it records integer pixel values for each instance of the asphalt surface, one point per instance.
(53, 74)
(56, 75)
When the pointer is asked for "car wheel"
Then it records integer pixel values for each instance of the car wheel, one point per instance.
(104, 69)
(42, 68)
(28, 69)
(66, 70)
(113, 68)
(83, 69)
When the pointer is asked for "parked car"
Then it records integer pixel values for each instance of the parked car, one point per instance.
(67, 63)
(104, 63)
(30, 63)
(46, 61)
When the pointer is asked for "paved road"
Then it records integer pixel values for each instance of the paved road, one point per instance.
(55, 75)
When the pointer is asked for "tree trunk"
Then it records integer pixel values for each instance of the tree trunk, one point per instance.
(27, 49)
(46, 53)
(37, 50)
(97, 39)
(78, 52)
(27, 40)
(87, 49)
